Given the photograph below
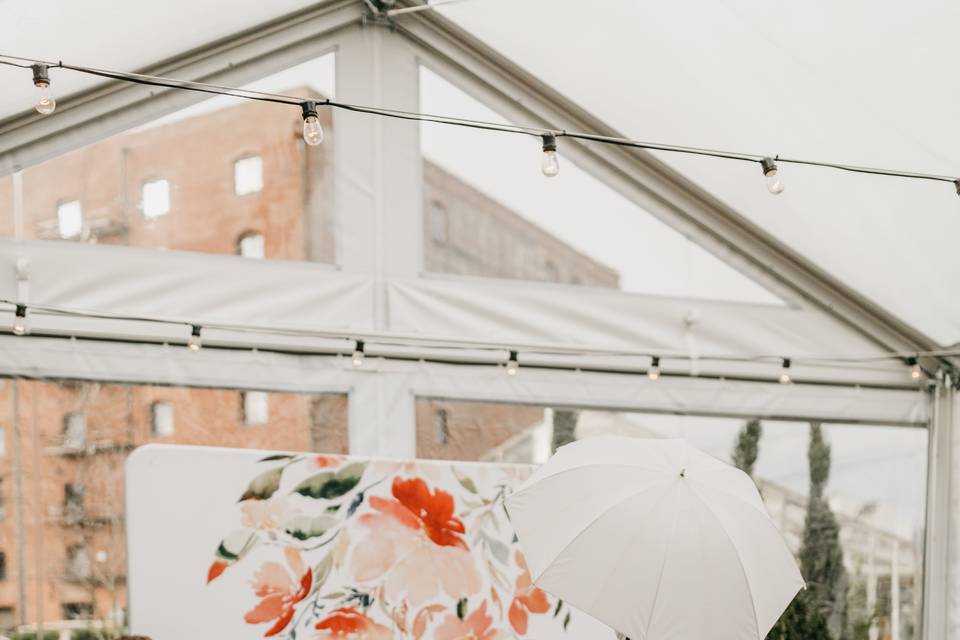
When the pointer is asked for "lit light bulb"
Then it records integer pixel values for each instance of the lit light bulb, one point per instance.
(915, 371)
(550, 164)
(785, 372)
(194, 342)
(41, 80)
(358, 354)
(513, 365)
(654, 371)
(774, 183)
(20, 326)
(312, 131)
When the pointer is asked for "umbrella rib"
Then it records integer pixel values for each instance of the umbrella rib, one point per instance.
(736, 553)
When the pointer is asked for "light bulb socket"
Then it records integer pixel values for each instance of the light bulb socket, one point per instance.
(786, 363)
(654, 361)
(768, 165)
(309, 108)
(41, 75)
(195, 330)
(513, 357)
(359, 348)
(549, 142)
(21, 311)
(956, 184)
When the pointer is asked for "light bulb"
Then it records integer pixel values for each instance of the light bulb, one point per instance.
(513, 365)
(41, 80)
(785, 373)
(194, 342)
(654, 371)
(550, 163)
(774, 183)
(358, 354)
(915, 371)
(312, 131)
(20, 326)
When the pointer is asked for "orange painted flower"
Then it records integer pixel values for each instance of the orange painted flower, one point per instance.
(475, 626)
(279, 591)
(527, 599)
(350, 623)
(325, 461)
(416, 541)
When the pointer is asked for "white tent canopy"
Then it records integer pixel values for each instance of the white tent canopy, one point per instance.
(856, 266)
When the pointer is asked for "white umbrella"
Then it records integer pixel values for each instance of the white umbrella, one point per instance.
(656, 539)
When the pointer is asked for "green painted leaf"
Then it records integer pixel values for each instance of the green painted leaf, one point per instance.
(566, 621)
(332, 596)
(468, 484)
(557, 610)
(305, 527)
(499, 550)
(328, 485)
(264, 485)
(322, 571)
(276, 456)
(236, 545)
(462, 608)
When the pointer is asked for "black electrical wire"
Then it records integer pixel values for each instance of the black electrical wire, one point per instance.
(261, 96)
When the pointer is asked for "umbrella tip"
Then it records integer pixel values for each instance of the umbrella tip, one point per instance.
(683, 473)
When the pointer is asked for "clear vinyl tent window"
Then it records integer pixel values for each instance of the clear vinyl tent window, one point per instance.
(874, 487)
(489, 211)
(193, 180)
(71, 504)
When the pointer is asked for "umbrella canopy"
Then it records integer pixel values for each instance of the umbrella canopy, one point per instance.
(655, 538)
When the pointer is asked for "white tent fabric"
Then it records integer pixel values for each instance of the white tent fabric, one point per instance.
(781, 79)
(822, 80)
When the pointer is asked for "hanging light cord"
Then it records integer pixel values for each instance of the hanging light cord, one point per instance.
(539, 132)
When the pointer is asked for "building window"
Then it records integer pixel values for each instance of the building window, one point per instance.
(442, 428)
(248, 175)
(69, 219)
(251, 245)
(161, 419)
(155, 198)
(78, 561)
(73, 494)
(439, 221)
(77, 610)
(256, 407)
(75, 431)
(3, 565)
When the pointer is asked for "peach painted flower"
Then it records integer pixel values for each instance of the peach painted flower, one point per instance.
(417, 543)
(279, 591)
(265, 515)
(527, 599)
(352, 624)
(475, 626)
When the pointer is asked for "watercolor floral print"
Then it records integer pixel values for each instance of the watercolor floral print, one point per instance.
(381, 550)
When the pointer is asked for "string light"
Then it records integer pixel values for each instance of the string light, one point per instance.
(550, 165)
(915, 370)
(785, 372)
(358, 354)
(20, 327)
(312, 131)
(654, 371)
(774, 183)
(194, 342)
(513, 365)
(41, 80)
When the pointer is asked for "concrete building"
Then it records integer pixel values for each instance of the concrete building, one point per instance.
(232, 181)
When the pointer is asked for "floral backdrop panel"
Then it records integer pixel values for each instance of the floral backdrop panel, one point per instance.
(240, 544)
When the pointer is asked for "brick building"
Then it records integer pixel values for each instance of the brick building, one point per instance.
(234, 181)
